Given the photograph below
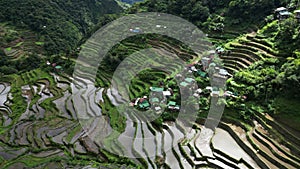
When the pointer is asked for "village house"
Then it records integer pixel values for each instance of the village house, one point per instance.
(282, 13)
(205, 62)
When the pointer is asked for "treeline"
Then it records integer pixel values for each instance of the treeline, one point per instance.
(60, 24)
(8, 66)
(205, 13)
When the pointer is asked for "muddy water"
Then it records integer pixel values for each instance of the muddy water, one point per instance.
(126, 138)
(79, 98)
(43, 98)
(97, 129)
(98, 96)
(89, 96)
(159, 140)
(149, 142)
(138, 144)
(219, 163)
(61, 105)
(202, 142)
(225, 143)
(178, 135)
(115, 97)
(4, 90)
(112, 99)
(4, 95)
(170, 158)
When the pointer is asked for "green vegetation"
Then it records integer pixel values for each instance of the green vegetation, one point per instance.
(60, 24)
(216, 16)
(39, 43)
(261, 53)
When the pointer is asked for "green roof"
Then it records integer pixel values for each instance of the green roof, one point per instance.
(190, 80)
(215, 89)
(58, 67)
(201, 73)
(156, 89)
(153, 100)
(145, 104)
(171, 103)
(184, 84)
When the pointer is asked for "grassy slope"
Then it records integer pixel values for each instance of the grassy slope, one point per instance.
(288, 113)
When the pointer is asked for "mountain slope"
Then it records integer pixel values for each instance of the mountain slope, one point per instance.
(60, 24)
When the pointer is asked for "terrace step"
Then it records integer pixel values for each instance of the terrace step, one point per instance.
(243, 62)
(284, 160)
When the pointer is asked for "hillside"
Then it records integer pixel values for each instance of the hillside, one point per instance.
(216, 16)
(54, 117)
(60, 25)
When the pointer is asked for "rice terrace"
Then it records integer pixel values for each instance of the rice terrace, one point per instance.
(125, 84)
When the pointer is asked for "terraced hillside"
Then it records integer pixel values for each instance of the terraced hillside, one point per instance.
(40, 114)
(38, 133)
(246, 50)
(17, 43)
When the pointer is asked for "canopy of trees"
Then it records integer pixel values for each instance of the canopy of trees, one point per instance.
(244, 12)
(61, 24)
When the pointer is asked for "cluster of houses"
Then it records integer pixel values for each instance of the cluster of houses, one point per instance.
(282, 13)
(218, 79)
(54, 65)
(159, 96)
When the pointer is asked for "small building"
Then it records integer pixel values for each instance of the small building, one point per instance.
(157, 108)
(189, 80)
(155, 100)
(144, 104)
(196, 95)
(135, 30)
(156, 89)
(184, 84)
(177, 107)
(202, 74)
(209, 88)
(193, 68)
(172, 103)
(205, 62)
(173, 106)
(167, 93)
(58, 67)
(297, 15)
(215, 93)
(199, 91)
(223, 72)
(220, 50)
(280, 9)
(282, 13)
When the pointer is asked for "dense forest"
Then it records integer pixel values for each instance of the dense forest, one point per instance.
(60, 24)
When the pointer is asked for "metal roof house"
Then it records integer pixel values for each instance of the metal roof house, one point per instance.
(281, 9)
(205, 62)
(282, 13)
